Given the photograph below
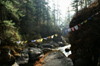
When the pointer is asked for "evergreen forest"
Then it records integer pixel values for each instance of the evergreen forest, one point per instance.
(26, 20)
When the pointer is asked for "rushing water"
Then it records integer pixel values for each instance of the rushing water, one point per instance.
(62, 49)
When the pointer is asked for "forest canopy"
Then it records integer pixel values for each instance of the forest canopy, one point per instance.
(26, 20)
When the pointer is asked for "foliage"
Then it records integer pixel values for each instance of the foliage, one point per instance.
(9, 24)
(85, 41)
(79, 4)
(10, 32)
(26, 19)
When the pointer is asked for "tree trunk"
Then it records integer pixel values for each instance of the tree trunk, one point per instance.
(86, 3)
(77, 8)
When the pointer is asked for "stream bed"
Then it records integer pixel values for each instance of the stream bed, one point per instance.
(31, 63)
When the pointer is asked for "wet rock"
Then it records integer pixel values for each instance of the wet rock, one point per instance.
(54, 44)
(24, 57)
(46, 47)
(61, 44)
(55, 58)
(35, 53)
(32, 44)
(45, 50)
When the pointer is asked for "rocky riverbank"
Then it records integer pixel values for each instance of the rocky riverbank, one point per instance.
(29, 53)
(55, 58)
(33, 54)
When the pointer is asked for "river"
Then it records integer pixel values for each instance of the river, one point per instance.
(62, 49)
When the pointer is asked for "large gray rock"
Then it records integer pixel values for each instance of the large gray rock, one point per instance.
(57, 58)
(35, 53)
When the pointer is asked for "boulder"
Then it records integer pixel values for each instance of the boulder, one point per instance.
(24, 57)
(34, 53)
(55, 58)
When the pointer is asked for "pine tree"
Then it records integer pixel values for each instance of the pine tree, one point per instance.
(9, 13)
(75, 5)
